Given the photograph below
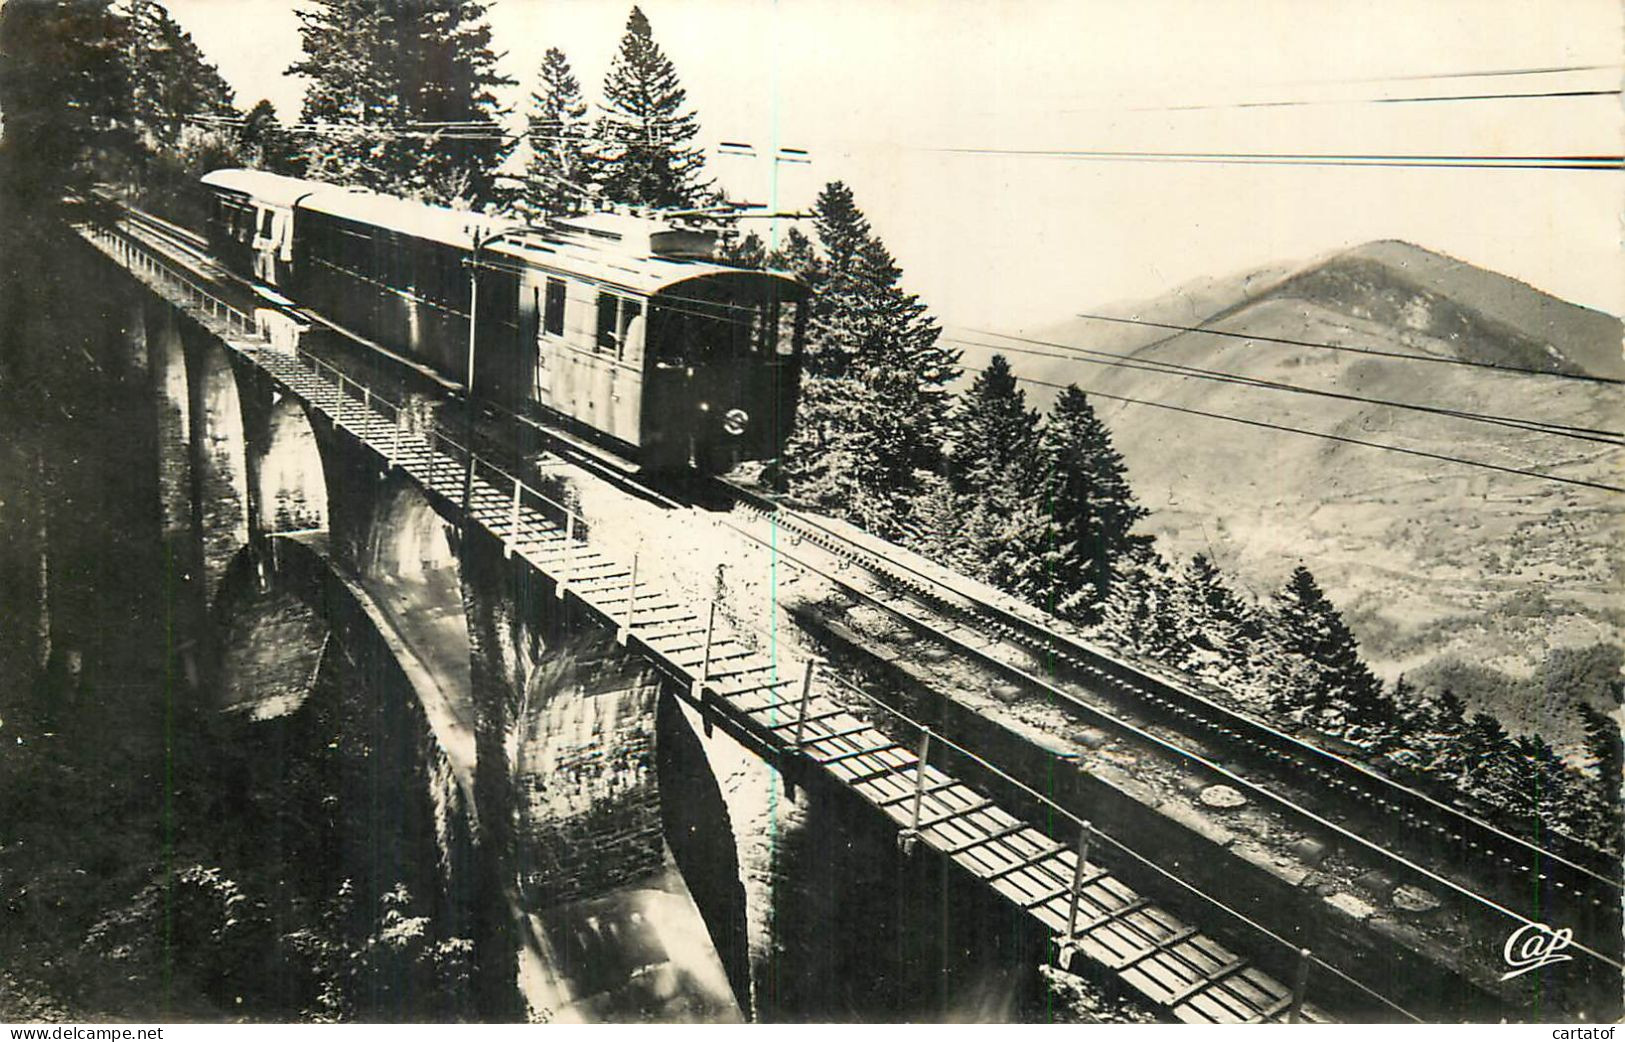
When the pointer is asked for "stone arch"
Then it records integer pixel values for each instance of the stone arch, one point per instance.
(323, 707)
(290, 475)
(408, 567)
(273, 634)
(219, 458)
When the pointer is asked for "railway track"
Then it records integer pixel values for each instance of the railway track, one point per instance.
(1170, 713)
(1290, 771)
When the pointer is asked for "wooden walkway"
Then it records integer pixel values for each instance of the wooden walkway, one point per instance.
(784, 707)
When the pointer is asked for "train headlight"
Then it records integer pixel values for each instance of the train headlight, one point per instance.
(734, 421)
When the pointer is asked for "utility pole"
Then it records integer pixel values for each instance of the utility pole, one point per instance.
(468, 380)
(481, 241)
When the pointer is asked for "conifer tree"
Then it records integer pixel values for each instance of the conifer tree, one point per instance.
(866, 331)
(1085, 490)
(1449, 714)
(1606, 751)
(264, 144)
(1220, 634)
(64, 90)
(742, 251)
(1545, 786)
(403, 94)
(1024, 553)
(994, 436)
(449, 72)
(557, 175)
(645, 154)
(1441, 721)
(1486, 756)
(1141, 614)
(799, 255)
(170, 79)
(352, 93)
(1316, 663)
(992, 462)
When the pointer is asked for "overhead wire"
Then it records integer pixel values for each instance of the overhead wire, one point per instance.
(1405, 100)
(1327, 435)
(1591, 163)
(1153, 365)
(1322, 345)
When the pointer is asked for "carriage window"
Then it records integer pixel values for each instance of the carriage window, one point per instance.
(786, 317)
(687, 331)
(615, 317)
(265, 224)
(553, 317)
(631, 318)
(607, 306)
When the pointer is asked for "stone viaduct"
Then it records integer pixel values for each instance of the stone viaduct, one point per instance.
(610, 853)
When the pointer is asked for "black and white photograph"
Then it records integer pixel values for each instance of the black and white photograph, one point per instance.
(800, 512)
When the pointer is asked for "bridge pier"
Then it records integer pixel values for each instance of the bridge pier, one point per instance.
(327, 712)
(571, 801)
(287, 474)
(172, 397)
(218, 455)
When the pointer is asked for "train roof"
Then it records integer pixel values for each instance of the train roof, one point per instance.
(642, 255)
(420, 220)
(275, 189)
(636, 253)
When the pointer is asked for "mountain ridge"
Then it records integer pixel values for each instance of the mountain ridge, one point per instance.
(1431, 561)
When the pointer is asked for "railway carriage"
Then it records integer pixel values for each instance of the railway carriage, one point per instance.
(251, 220)
(619, 328)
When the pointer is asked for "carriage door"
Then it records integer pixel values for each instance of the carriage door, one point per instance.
(547, 311)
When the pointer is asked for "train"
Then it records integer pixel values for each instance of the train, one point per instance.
(616, 327)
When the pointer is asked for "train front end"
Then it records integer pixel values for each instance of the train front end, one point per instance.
(724, 361)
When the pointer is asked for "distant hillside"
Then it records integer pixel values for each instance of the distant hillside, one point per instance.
(1433, 562)
(1483, 316)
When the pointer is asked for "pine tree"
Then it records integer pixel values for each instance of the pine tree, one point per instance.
(942, 527)
(866, 331)
(1486, 757)
(992, 461)
(450, 72)
(645, 155)
(170, 79)
(1449, 714)
(834, 466)
(351, 93)
(1439, 724)
(395, 87)
(1142, 615)
(1085, 490)
(1547, 789)
(1026, 558)
(557, 175)
(993, 436)
(264, 144)
(1220, 634)
(1605, 750)
(799, 255)
(64, 91)
(1316, 664)
(742, 251)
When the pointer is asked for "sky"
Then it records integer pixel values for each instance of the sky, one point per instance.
(883, 94)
